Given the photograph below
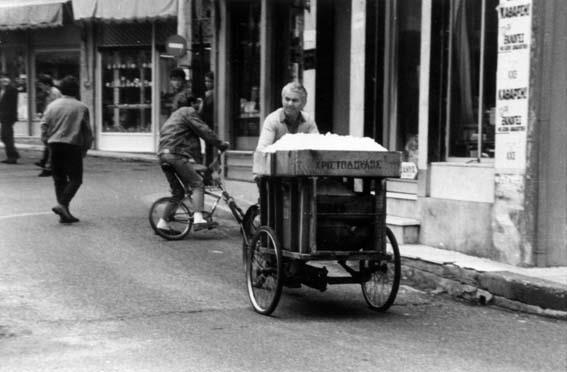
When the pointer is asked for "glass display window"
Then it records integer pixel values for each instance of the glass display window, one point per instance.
(471, 93)
(127, 90)
(245, 62)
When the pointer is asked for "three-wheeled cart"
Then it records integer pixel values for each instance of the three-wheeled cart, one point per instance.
(320, 205)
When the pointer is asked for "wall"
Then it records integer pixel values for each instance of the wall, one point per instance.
(357, 68)
(547, 179)
(457, 215)
(455, 225)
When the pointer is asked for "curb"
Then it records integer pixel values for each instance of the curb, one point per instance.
(502, 289)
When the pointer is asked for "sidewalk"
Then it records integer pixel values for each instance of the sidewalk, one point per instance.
(541, 291)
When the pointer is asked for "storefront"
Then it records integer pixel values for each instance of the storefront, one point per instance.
(124, 43)
(37, 39)
(459, 87)
(451, 84)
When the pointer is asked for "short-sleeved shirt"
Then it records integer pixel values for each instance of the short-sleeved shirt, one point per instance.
(275, 126)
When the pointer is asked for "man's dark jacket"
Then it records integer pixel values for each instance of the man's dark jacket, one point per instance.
(181, 132)
(9, 105)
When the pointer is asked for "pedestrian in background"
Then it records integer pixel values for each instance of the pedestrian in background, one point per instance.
(182, 89)
(207, 113)
(51, 93)
(8, 116)
(69, 136)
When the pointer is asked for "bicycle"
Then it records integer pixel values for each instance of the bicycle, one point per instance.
(181, 218)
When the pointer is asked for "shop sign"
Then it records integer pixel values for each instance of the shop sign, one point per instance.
(513, 77)
(175, 45)
(408, 170)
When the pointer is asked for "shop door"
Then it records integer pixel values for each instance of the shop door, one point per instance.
(57, 64)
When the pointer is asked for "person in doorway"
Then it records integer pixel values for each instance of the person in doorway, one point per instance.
(181, 89)
(207, 112)
(179, 152)
(68, 135)
(8, 116)
(51, 93)
(289, 118)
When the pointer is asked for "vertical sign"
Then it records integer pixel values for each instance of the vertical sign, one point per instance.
(513, 79)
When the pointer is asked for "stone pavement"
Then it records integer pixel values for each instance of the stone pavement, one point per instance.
(541, 291)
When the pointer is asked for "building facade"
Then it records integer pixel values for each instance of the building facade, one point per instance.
(470, 91)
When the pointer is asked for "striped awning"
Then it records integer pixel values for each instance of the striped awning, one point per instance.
(124, 10)
(25, 14)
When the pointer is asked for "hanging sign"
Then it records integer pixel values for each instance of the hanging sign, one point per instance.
(512, 83)
(175, 45)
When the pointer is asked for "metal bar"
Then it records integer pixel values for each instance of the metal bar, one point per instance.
(313, 219)
(334, 255)
(481, 80)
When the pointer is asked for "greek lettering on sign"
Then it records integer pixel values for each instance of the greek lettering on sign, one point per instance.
(513, 93)
(515, 11)
(349, 164)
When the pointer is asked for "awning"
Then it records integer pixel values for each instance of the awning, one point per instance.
(124, 10)
(17, 14)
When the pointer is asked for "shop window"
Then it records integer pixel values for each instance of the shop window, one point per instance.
(471, 78)
(407, 74)
(126, 90)
(13, 62)
(245, 62)
(57, 64)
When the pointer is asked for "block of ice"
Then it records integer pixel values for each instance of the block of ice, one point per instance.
(328, 141)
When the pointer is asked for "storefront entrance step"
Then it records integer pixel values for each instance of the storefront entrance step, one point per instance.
(406, 230)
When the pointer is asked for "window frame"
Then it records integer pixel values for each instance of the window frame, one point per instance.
(481, 91)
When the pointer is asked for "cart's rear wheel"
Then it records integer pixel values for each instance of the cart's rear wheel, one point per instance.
(381, 290)
(179, 221)
(264, 274)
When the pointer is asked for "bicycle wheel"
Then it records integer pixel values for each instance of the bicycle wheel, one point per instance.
(180, 221)
(264, 274)
(381, 290)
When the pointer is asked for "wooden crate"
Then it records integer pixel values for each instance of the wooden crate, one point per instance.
(307, 221)
(328, 163)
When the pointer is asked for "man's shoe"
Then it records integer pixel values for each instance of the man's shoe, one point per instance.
(205, 225)
(39, 164)
(9, 161)
(45, 173)
(64, 215)
(169, 231)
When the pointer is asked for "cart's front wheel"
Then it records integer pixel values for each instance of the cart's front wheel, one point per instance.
(250, 225)
(179, 218)
(264, 274)
(381, 290)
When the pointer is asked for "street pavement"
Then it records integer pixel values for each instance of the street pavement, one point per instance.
(541, 291)
(106, 294)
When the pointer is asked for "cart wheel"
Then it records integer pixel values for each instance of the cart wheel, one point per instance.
(180, 221)
(264, 274)
(381, 290)
(251, 220)
(250, 224)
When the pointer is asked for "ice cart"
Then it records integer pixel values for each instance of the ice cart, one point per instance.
(319, 205)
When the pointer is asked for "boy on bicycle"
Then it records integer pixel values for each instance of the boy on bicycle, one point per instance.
(180, 148)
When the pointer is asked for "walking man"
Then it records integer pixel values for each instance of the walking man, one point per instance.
(68, 135)
(8, 116)
(45, 85)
